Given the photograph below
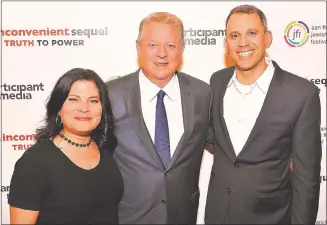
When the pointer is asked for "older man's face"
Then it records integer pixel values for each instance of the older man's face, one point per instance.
(160, 50)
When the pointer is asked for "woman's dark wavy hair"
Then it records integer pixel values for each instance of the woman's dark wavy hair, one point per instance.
(103, 135)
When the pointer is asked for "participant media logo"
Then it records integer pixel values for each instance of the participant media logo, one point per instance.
(296, 33)
(203, 37)
(19, 91)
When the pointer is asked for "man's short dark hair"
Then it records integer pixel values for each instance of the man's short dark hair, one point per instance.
(249, 9)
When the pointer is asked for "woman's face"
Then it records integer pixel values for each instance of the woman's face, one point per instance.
(82, 109)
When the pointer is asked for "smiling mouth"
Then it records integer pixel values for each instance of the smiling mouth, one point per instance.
(83, 118)
(247, 53)
(159, 64)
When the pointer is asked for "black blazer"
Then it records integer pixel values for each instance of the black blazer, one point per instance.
(257, 186)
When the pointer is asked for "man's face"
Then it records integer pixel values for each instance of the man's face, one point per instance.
(246, 40)
(160, 50)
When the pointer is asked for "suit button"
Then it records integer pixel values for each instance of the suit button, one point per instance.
(163, 202)
(229, 190)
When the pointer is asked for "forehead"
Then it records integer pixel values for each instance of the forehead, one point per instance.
(160, 31)
(239, 22)
(84, 87)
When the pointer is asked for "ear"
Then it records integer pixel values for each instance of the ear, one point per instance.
(183, 46)
(269, 39)
(137, 45)
(225, 45)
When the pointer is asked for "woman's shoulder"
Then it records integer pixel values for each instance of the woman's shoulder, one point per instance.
(38, 152)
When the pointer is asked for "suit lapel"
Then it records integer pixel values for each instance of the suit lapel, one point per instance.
(188, 117)
(270, 103)
(225, 140)
(132, 99)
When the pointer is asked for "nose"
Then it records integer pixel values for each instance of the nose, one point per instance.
(83, 107)
(244, 41)
(162, 52)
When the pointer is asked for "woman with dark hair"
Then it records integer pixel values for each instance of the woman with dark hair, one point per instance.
(69, 175)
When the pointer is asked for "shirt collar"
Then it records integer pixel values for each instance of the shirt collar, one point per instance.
(151, 90)
(262, 82)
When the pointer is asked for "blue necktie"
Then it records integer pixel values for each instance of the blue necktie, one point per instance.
(161, 140)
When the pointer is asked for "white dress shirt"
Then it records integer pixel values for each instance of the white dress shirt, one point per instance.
(242, 105)
(173, 105)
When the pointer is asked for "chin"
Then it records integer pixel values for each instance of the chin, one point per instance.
(163, 75)
(245, 66)
(84, 131)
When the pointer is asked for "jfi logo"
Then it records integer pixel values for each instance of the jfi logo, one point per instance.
(296, 34)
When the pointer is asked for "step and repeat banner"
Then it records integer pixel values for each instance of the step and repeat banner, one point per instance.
(42, 40)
